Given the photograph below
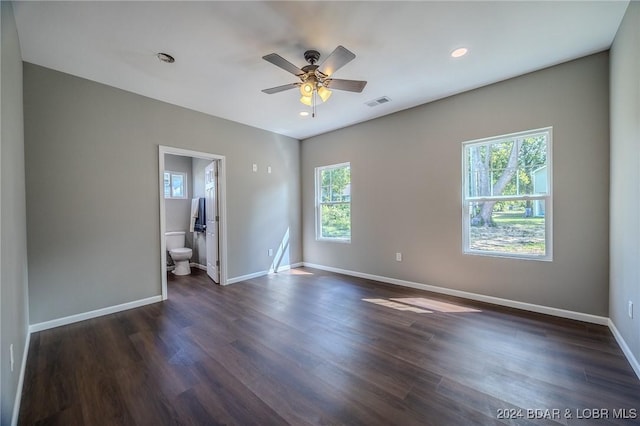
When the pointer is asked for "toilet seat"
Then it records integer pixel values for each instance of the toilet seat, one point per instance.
(183, 250)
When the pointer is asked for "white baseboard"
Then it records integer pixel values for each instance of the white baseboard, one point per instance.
(246, 277)
(199, 266)
(625, 348)
(594, 319)
(93, 314)
(263, 273)
(286, 267)
(23, 369)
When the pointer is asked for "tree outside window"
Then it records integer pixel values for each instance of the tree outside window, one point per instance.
(507, 195)
(333, 202)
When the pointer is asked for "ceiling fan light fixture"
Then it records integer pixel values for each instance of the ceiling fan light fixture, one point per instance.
(307, 100)
(324, 93)
(306, 88)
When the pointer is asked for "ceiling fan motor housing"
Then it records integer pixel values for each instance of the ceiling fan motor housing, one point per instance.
(311, 56)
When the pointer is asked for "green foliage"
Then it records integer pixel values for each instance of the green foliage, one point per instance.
(336, 221)
(336, 184)
(517, 218)
(512, 232)
(492, 160)
(336, 193)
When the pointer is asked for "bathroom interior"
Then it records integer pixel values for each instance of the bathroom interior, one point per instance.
(185, 223)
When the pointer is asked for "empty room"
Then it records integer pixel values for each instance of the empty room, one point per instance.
(318, 212)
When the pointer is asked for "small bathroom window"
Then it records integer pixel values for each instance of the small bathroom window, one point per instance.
(175, 185)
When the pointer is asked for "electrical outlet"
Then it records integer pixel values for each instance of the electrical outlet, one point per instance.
(398, 257)
(630, 309)
(270, 252)
(255, 167)
(11, 355)
(269, 169)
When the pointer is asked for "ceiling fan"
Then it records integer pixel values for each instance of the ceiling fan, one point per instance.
(316, 79)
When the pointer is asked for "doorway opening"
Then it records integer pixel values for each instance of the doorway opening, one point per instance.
(203, 184)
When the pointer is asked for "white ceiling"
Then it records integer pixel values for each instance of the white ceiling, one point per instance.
(402, 49)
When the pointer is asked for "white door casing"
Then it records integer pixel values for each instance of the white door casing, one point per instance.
(221, 211)
(211, 212)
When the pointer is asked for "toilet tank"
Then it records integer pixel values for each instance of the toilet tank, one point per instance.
(174, 239)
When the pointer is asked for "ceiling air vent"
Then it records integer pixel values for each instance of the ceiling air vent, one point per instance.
(379, 101)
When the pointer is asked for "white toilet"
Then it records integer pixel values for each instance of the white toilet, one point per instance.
(179, 253)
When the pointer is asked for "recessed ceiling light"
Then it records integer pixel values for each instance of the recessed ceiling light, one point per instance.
(165, 57)
(304, 113)
(459, 52)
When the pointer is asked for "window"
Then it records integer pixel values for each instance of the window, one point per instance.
(333, 202)
(175, 185)
(507, 195)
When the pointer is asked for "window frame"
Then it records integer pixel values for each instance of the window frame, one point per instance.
(184, 185)
(319, 203)
(547, 198)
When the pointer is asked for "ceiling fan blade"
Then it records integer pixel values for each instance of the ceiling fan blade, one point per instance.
(336, 60)
(348, 85)
(277, 89)
(281, 62)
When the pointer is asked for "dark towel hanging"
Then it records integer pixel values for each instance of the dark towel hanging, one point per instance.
(201, 220)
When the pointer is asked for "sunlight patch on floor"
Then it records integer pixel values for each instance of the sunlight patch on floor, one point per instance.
(398, 306)
(435, 305)
(295, 272)
(421, 305)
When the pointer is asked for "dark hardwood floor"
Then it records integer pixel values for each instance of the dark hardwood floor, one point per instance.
(303, 347)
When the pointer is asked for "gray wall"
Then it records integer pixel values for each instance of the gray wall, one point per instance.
(625, 178)
(94, 230)
(13, 234)
(406, 189)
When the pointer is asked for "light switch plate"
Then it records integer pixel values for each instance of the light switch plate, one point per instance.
(11, 356)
